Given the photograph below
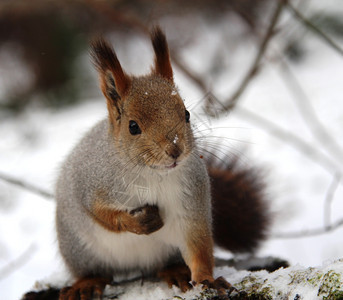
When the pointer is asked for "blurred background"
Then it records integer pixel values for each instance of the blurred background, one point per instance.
(263, 81)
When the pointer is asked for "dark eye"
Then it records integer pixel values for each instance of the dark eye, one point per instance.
(187, 115)
(134, 128)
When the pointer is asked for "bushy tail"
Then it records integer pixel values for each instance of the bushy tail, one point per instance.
(241, 215)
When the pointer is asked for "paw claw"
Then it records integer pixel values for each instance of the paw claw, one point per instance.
(207, 284)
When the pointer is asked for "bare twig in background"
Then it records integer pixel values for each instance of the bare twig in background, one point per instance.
(18, 262)
(328, 226)
(105, 9)
(277, 132)
(310, 232)
(329, 198)
(26, 186)
(291, 139)
(309, 115)
(232, 101)
(314, 28)
(197, 80)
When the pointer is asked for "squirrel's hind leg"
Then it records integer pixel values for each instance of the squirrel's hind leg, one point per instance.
(85, 288)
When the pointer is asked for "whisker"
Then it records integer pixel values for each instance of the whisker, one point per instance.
(225, 138)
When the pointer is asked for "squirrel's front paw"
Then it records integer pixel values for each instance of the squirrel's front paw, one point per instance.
(145, 220)
(221, 285)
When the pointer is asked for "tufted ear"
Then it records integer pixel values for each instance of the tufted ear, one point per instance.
(162, 61)
(114, 82)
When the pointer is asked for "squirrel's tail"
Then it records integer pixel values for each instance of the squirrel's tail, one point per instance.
(241, 214)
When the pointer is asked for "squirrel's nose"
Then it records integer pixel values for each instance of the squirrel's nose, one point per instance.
(174, 152)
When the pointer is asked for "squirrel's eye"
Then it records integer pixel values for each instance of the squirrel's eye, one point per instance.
(188, 115)
(134, 128)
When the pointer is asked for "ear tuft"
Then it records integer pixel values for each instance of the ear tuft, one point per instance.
(162, 60)
(106, 62)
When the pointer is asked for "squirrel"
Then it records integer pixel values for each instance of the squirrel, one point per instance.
(135, 194)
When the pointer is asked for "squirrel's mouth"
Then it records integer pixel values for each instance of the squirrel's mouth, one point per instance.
(172, 166)
(169, 165)
(166, 167)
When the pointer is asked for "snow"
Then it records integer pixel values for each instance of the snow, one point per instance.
(176, 138)
(295, 282)
(33, 146)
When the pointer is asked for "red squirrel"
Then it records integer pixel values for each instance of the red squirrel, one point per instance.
(135, 193)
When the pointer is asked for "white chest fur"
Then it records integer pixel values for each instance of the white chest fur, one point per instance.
(131, 251)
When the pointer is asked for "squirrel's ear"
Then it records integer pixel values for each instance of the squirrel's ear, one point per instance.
(162, 60)
(113, 80)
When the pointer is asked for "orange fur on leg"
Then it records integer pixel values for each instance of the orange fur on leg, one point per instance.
(200, 255)
(200, 261)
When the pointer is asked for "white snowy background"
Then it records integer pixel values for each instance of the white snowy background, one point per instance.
(33, 145)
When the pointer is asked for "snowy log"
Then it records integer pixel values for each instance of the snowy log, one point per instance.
(296, 282)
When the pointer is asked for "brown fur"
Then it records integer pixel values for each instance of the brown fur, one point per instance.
(162, 60)
(200, 259)
(105, 59)
(49, 294)
(114, 82)
(240, 212)
(221, 285)
(85, 289)
(178, 274)
(143, 220)
(135, 98)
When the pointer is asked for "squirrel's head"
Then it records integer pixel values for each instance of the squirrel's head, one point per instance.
(147, 116)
